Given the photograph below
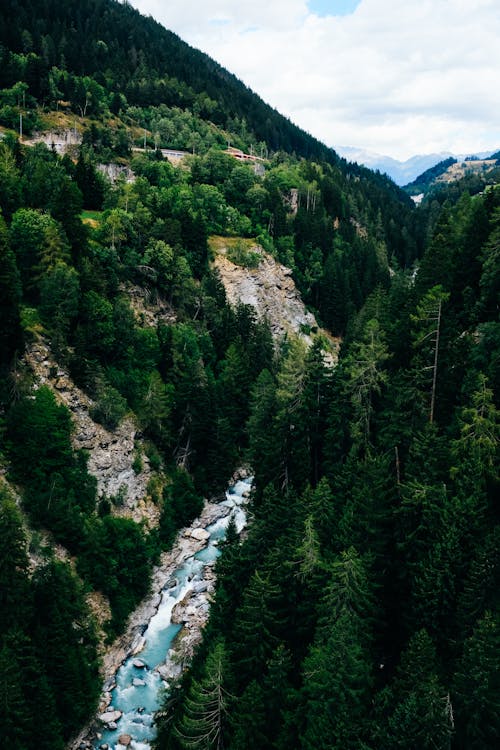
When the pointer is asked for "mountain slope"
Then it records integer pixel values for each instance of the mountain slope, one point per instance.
(362, 607)
(421, 183)
(126, 51)
(134, 56)
(402, 172)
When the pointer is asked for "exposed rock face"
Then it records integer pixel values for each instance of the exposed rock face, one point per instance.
(111, 454)
(270, 290)
(115, 172)
(61, 140)
(149, 308)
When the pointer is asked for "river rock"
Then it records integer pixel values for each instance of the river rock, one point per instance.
(194, 607)
(104, 746)
(138, 645)
(169, 671)
(109, 717)
(200, 534)
(125, 740)
(199, 587)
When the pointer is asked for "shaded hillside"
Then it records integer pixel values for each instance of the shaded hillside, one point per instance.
(421, 183)
(362, 610)
(134, 55)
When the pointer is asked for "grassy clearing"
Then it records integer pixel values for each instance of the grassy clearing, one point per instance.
(92, 218)
(239, 250)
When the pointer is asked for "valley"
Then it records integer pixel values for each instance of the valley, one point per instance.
(191, 284)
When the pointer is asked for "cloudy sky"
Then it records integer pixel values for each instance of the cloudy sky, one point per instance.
(400, 77)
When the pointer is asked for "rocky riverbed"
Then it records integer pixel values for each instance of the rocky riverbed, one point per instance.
(164, 630)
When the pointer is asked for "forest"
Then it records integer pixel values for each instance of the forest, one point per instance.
(361, 608)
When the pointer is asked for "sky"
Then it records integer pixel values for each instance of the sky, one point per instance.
(398, 77)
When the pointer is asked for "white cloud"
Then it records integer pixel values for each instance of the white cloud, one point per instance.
(402, 77)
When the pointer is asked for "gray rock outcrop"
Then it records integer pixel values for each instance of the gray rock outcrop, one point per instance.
(270, 289)
(111, 453)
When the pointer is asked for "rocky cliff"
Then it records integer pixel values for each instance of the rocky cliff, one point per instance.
(111, 453)
(269, 288)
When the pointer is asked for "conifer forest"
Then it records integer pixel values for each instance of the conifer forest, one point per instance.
(359, 608)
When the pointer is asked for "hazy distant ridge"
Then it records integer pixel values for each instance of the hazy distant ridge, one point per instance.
(402, 172)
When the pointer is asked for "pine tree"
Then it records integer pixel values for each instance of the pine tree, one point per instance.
(414, 712)
(10, 297)
(364, 366)
(256, 627)
(249, 719)
(15, 718)
(475, 452)
(426, 342)
(263, 447)
(289, 429)
(203, 725)
(337, 681)
(476, 688)
(14, 565)
(65, 639)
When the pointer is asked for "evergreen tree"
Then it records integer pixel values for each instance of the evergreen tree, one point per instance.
(415, 711)
(256, 627)
(65, 639)
(14, 581)
(249, 719)
(203, 724)
(476, 689)
(364, 366)
(10, 297)
(263, 448)
(426, 342)
(337, 680)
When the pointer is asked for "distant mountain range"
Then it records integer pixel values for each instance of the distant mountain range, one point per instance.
(402, 172)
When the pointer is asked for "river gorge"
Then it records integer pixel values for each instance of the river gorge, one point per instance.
(164, 631)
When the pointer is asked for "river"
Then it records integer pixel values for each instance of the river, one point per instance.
(139, 684)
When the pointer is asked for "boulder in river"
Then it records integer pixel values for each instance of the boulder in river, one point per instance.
(136, 682)
(139, 664)
(125, 740)
(169, 671)
(138, 644)
(200, 587)
(109, 717)
(201, 535)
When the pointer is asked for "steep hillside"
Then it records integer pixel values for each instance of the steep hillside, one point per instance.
(421, 183)
(360, 609)
(117, 457)
(475, 173)
(148, 64)
(56, 50)
(253, 277)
